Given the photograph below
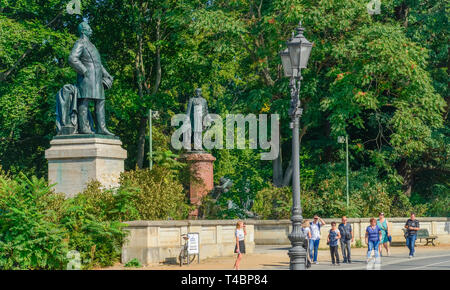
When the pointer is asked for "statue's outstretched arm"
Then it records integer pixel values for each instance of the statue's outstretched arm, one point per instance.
(74, 58)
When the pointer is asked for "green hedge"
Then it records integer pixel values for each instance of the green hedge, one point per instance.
(368, 196)
(38, 227)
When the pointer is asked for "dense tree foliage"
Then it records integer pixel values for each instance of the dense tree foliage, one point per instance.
(381, 79)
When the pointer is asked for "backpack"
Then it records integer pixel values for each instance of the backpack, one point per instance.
(347, 235)
(318, 224)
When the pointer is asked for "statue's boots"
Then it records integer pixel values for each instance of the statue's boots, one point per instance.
(100, 116)
(83, 120)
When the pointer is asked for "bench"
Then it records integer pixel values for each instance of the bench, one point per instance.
(424, 234)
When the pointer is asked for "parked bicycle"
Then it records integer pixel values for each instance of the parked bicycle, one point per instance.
(184, 257)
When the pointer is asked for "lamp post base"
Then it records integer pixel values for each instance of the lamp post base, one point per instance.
(297, 256)
(297, 253)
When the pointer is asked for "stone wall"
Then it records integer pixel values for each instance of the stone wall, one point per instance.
(274, 232)
(153, 242)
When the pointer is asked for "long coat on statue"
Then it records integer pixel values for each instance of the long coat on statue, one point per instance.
(197, 109)
(85, 60)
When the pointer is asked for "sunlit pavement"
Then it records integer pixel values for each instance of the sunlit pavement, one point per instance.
(274, 257)
(426, 258)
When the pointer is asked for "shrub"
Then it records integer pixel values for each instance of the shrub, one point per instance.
(39, 227)
(358, 244)
(368, 197)
(438, 204)
(273, 202)
(134, 263)
(156, 194)
(30, 236)
(93, 230)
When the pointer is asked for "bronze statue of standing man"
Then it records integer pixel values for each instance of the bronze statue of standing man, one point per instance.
(197, 110)
(91, 80)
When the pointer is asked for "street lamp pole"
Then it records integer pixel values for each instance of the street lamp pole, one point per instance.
(346, 165)
(297, 253)
(294, 58)
(151, 114)
(150, 139)
(341, 140)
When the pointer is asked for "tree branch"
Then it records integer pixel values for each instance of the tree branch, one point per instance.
(6, 74)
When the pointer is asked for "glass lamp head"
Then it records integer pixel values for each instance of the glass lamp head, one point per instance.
(299, 49)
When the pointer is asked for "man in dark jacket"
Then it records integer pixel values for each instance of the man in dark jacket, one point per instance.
(197, 110)
(412, 226)
(346, 239)
(92, 76)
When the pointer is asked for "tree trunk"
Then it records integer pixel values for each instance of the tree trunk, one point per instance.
(140, 77)
(277, 170)
(141, 142)
(408, 177)
(280, 179)
(288, 174)
(143, 86)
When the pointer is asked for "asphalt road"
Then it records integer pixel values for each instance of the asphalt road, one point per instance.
(424, 260)
(441, 262)
(274, 257)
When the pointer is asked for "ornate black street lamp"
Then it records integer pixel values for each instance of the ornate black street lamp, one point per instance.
(294, 59)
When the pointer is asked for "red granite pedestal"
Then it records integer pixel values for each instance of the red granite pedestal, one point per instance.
(202, 179)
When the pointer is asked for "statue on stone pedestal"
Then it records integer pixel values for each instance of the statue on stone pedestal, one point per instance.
(72, 104)
(197, 109)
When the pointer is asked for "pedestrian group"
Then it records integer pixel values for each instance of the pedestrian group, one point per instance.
(377, 237)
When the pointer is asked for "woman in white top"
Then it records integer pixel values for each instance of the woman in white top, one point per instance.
(307, 232)
(240, 243)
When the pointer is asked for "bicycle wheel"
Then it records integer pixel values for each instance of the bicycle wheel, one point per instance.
(181, 258)
(191, 259)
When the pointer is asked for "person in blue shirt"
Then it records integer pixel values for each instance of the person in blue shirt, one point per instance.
(333, 239)
(314, 241)
(373, 237)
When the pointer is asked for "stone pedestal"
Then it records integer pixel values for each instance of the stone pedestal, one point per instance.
(75, 160)
(202, 180)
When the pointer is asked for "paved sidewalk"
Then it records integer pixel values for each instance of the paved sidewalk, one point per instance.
(276, 258)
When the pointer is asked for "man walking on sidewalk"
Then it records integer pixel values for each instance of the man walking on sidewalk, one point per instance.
(346, 239)
(412, 226)
(315, 237)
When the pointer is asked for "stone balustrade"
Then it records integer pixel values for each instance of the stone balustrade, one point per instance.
(153, 242)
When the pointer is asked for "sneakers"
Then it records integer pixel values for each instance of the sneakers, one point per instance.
(410, 256)
(317, 263)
